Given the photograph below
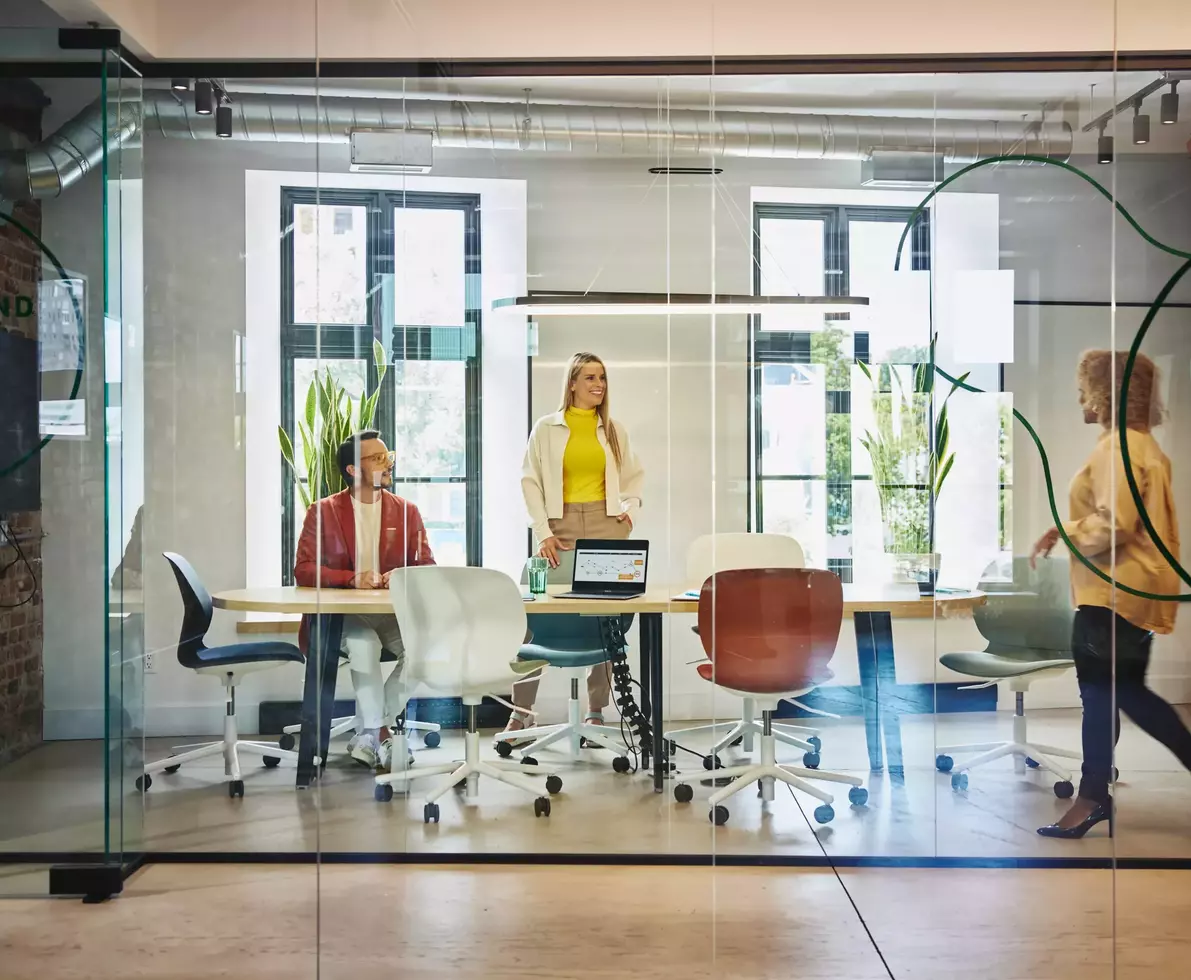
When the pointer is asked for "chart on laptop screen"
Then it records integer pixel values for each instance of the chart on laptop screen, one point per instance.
(609, 566)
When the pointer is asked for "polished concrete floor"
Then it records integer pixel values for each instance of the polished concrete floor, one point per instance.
(376, 922)
(54, 801)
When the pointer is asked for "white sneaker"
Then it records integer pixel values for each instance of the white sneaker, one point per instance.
(364, 749)
(384, 759)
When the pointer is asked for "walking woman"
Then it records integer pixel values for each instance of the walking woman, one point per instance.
(580, 479)
(1106, 527)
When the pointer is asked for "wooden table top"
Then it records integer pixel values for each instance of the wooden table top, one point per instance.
(901, 601)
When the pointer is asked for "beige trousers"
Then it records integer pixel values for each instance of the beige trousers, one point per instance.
(580, 521)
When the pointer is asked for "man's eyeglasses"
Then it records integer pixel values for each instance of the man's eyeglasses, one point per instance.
(378, 458)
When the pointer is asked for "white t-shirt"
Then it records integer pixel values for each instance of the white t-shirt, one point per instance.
(367, 535)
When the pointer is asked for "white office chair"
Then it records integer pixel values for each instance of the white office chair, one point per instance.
(461, 627)
(713, 553)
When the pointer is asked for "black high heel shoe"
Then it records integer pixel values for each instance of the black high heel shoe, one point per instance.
(1101, 813)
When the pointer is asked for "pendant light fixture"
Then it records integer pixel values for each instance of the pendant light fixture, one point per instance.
(204, 97)
(1170, 105)
(560, 303)
(1141, 125)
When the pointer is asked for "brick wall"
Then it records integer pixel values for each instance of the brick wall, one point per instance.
(21, 687)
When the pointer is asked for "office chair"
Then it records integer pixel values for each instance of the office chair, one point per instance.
(461, 627)
(1028, 628)
(769, 634)
(574, 644)
(713, 553)
(229, 664)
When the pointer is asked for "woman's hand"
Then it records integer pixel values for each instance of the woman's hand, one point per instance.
(625, 519)
(1044, 546)
(550, 548)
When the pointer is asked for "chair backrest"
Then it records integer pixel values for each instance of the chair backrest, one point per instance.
(713, 553)
(1034, 612)
(461, 627)
(196, 610)
(770, 630)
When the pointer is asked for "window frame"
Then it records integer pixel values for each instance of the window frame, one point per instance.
(795, 347)
(336, 341)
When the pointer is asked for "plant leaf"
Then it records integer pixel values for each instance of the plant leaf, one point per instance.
(287, 446)
(311, 404)
(943, 475)
(382, 365)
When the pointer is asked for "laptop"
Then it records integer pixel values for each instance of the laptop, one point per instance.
(609, 569)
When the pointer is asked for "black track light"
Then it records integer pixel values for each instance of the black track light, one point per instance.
(223, 121)
(180, 84)
(1104, 148)
(204, 97)
(1141, 126)
(1169, 113)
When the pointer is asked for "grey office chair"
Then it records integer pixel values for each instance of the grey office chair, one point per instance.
(1028, 628)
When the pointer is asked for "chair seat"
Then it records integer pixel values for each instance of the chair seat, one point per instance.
(1003, 665)
(588, 657)
(272, 651)
(707, 672)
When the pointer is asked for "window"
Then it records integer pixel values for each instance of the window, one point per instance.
(809, 475)
(402, 269)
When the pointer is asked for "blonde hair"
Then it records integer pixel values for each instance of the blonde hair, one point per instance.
(1099, 378)
(577, 363)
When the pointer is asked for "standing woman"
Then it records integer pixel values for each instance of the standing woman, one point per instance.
(1106, 527)
(580, 479)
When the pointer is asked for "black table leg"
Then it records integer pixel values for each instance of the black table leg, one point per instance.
(651, 682)
(645, 675)
(318, 695)
(878, 688)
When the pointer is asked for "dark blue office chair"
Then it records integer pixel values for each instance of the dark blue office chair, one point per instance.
(230, 664)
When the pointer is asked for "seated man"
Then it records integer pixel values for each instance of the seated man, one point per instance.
(354, 539)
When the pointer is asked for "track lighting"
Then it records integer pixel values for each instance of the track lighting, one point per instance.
(223, 121)
(180, 84)
(1104, 148)
(1170, 106)
(204, 97)
(1141, 125)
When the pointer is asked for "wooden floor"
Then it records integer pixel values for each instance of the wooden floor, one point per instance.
(378, 922)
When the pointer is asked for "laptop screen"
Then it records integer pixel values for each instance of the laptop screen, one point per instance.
(619, 565)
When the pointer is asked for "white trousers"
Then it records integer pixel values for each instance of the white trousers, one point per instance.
(378, 701)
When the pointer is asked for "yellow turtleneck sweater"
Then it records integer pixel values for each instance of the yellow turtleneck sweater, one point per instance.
(583, 460)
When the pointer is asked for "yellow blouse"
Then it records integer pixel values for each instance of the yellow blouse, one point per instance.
(583, 461)
(1103, 512)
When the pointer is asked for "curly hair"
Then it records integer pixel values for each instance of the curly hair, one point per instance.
(1099, 379)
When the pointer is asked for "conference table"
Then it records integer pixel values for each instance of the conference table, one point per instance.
(872, 609)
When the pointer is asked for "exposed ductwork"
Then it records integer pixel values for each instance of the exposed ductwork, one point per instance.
(60, 160)
(598, 129)
(65, 157)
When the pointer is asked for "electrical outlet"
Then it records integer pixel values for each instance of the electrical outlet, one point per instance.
(150, 666)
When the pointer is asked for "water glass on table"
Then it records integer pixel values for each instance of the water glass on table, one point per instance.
(539, 568)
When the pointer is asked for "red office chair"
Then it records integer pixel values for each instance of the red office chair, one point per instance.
(769, 634)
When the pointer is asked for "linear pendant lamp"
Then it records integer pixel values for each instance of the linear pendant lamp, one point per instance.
(670, 304)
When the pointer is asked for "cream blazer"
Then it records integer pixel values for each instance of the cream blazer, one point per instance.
(541, 473)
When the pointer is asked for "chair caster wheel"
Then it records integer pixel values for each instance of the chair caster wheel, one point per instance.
(235, 788)
(432, 740)
(671, 746)
(811, 760)
(621, 764)
(683, 793)
(529, 760)
(858, 796)
(1064, 790)
(944, 763)
(718, 815)
(143, 783)
(824, 813)
(504, 749)
(712, 762)
(541, 806)
(271, 761)
(287, 743)
(959, 781)
(1032, 763)
(383, 793)
(173, 769)
(553, 785)
(739, 740)
(1116, 774)
(816, 742)
(430, 813)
